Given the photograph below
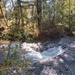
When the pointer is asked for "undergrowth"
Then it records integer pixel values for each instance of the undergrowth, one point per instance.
(15, 64)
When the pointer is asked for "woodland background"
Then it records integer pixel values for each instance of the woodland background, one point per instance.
(36, 19)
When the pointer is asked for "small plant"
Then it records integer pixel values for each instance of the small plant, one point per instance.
(14, 64)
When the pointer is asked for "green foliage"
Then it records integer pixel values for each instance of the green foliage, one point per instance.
(15, 34)
(56, 13)
(15, 62)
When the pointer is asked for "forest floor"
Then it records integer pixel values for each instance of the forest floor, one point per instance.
(63, 64)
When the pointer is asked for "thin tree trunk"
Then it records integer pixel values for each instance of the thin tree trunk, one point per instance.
(39, 12)
(69, 13)
(4, 16)
(19, 12)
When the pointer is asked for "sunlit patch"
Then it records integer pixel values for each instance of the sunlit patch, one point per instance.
(45, 54)
(4, 42)
(29, 50)
(61, 60)
(55, 63)
(69, 57)
(73, 45)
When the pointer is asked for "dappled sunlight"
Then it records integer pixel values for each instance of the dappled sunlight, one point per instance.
(53, 52)
(32, 50)
(69, 57)
(55, 63)
(73, 44)
(50, 71)
(45, 54)
(31, 45)
(61, 60)
(3, 42)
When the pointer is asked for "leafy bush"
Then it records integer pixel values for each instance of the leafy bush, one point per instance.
(14, 63)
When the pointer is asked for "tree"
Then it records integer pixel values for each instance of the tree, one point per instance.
(3, 12)
(39, 11)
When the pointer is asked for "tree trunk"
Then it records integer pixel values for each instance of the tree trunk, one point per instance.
(39, 12)
(19, 12)
(3, 15)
